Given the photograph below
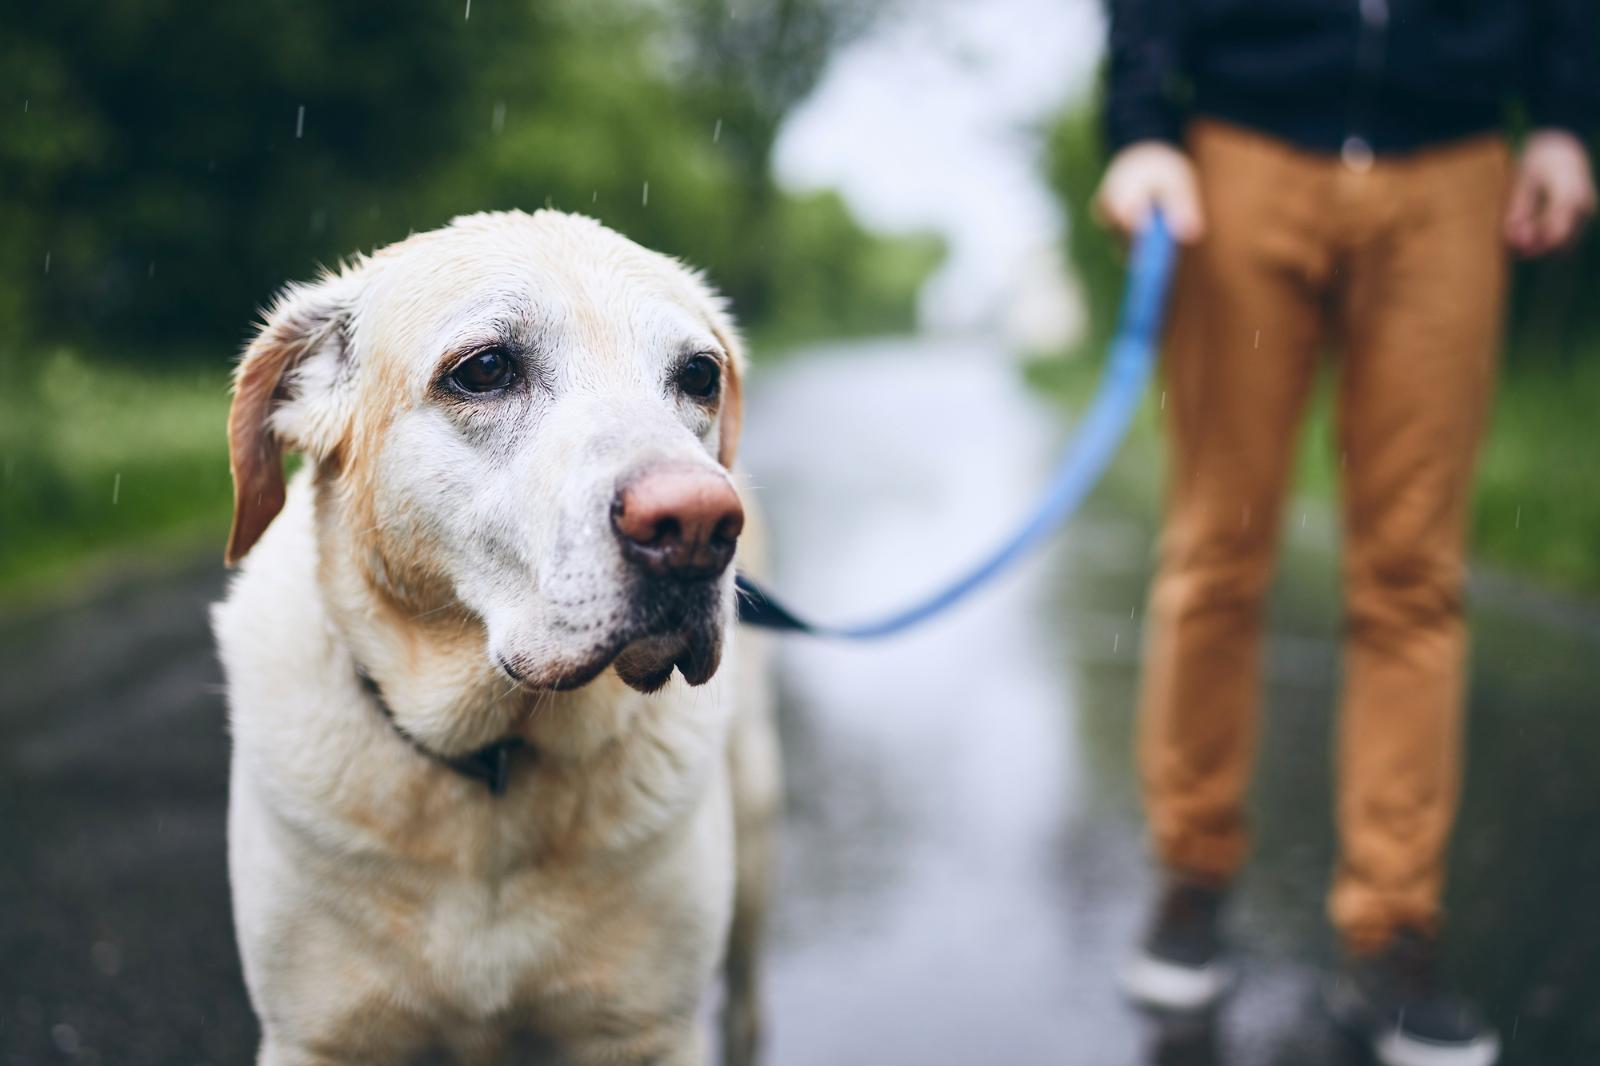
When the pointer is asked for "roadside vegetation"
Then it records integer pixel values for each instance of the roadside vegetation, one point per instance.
(105, 463)
(1537, 504)
(163, 171)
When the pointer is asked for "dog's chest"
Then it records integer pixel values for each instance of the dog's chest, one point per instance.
(484, 946)
(511, 942)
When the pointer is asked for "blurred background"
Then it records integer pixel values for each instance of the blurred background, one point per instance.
(893, 194)
(840, 167)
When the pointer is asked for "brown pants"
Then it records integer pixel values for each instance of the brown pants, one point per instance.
(1401, 264)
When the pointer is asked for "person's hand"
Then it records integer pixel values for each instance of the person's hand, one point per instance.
(1142, 177)
(1552, 196)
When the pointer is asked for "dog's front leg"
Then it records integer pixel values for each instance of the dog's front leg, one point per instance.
(377, 1040)
(756, 777)
(678, 1045)
(278, 1053)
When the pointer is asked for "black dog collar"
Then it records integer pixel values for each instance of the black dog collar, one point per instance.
(490, 764)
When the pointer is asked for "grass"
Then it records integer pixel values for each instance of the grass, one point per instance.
(101, 465)
(1536, 507)
(1538, 504)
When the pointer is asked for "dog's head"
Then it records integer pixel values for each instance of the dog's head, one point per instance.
(526, 418)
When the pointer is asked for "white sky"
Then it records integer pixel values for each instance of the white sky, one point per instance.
(931, 122)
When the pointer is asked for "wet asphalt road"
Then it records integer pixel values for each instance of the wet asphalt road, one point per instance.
(961, 860)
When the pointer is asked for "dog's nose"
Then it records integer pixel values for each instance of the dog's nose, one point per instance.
(678, 521)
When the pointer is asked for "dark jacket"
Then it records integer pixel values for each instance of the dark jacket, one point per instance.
(1392, 74)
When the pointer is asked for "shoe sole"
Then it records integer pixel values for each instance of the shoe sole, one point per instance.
(1395, 1047)
(1161, 985)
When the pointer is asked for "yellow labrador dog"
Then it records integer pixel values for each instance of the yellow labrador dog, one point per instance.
(502, 767)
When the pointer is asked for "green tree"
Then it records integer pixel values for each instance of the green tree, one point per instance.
(171, 160)
(175, 162)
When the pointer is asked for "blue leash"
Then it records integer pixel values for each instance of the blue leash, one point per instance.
(1104, 425)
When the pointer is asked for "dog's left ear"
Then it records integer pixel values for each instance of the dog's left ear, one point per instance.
(732, 392)
(287, 393)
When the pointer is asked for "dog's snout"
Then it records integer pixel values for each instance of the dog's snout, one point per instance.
(680, 522)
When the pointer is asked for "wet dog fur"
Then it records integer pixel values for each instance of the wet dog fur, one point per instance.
(455, 548)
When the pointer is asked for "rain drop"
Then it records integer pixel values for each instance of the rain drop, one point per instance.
(716, 132)
(299, 121)
(645, 199)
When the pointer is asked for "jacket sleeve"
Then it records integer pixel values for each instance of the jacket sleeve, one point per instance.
(1561, 88)
(1144, 71)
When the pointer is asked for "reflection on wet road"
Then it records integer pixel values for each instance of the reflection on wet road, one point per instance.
(962, 860)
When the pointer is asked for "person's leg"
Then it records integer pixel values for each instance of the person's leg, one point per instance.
(1422, 318)
(1243, 339)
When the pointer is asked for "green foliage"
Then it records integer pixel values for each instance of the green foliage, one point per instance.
(1538, 503)
(158, 154)
(177, 162)
(809, 236)
(99, 458)
(1074, 160)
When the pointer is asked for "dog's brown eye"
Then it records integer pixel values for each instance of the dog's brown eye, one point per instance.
(485, 371)
(700, 377)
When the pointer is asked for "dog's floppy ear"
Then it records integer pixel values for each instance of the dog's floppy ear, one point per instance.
(285, 393)
(732, 392)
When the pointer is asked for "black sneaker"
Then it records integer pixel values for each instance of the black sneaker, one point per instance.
(1392, 1002)
(1181, 965)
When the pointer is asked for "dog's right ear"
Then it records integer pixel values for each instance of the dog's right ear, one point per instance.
(287, 392)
